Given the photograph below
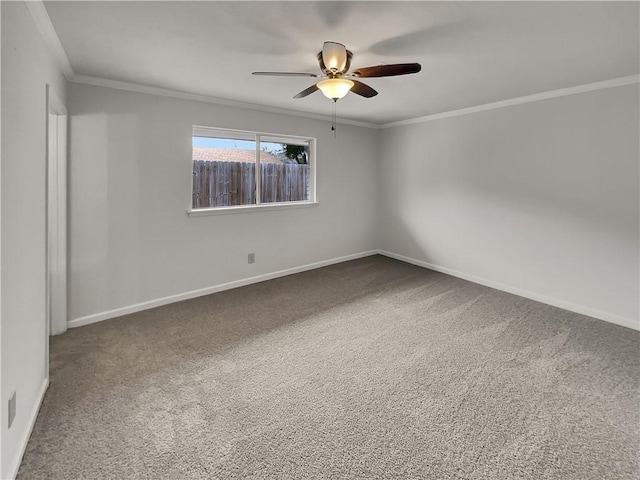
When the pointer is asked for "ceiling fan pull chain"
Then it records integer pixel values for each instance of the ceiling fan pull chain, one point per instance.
(333, 117)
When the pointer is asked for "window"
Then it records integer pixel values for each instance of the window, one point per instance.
(245, 169)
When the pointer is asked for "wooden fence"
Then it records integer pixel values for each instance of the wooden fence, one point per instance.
(223, 184)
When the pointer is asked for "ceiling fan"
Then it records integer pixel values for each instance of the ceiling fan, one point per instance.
(335, 60)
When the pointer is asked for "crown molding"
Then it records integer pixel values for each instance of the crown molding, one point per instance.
(563, 92)
(41, 17)
(164, 92)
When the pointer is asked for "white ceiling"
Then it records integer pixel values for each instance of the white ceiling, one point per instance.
(471, 53)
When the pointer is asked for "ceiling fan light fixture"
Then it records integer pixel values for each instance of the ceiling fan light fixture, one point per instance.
(335, 88)
(334, 56)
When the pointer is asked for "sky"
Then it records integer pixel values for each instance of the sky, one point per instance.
(236, 144)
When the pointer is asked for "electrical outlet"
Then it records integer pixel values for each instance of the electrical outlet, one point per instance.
(252, 258)
(12, 408)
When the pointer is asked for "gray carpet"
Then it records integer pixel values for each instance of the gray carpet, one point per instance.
(370, 369)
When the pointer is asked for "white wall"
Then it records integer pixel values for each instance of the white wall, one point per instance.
(27, 66)
(539, 198)
(130, 186)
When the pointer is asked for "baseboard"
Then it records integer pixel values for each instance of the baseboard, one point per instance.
(13, 470)
(118, 312)
(607, 317)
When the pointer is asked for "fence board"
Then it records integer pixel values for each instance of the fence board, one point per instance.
(218, 184)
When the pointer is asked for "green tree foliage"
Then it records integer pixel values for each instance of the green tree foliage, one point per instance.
(295, 152)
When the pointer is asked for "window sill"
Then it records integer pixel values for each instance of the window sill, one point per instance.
(203, 212)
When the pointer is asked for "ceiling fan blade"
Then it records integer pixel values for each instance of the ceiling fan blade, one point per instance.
(286, 74)
(363, 90)
(307, 91)
(387, 70)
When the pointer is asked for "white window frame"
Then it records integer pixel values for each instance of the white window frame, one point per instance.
(216, 132)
